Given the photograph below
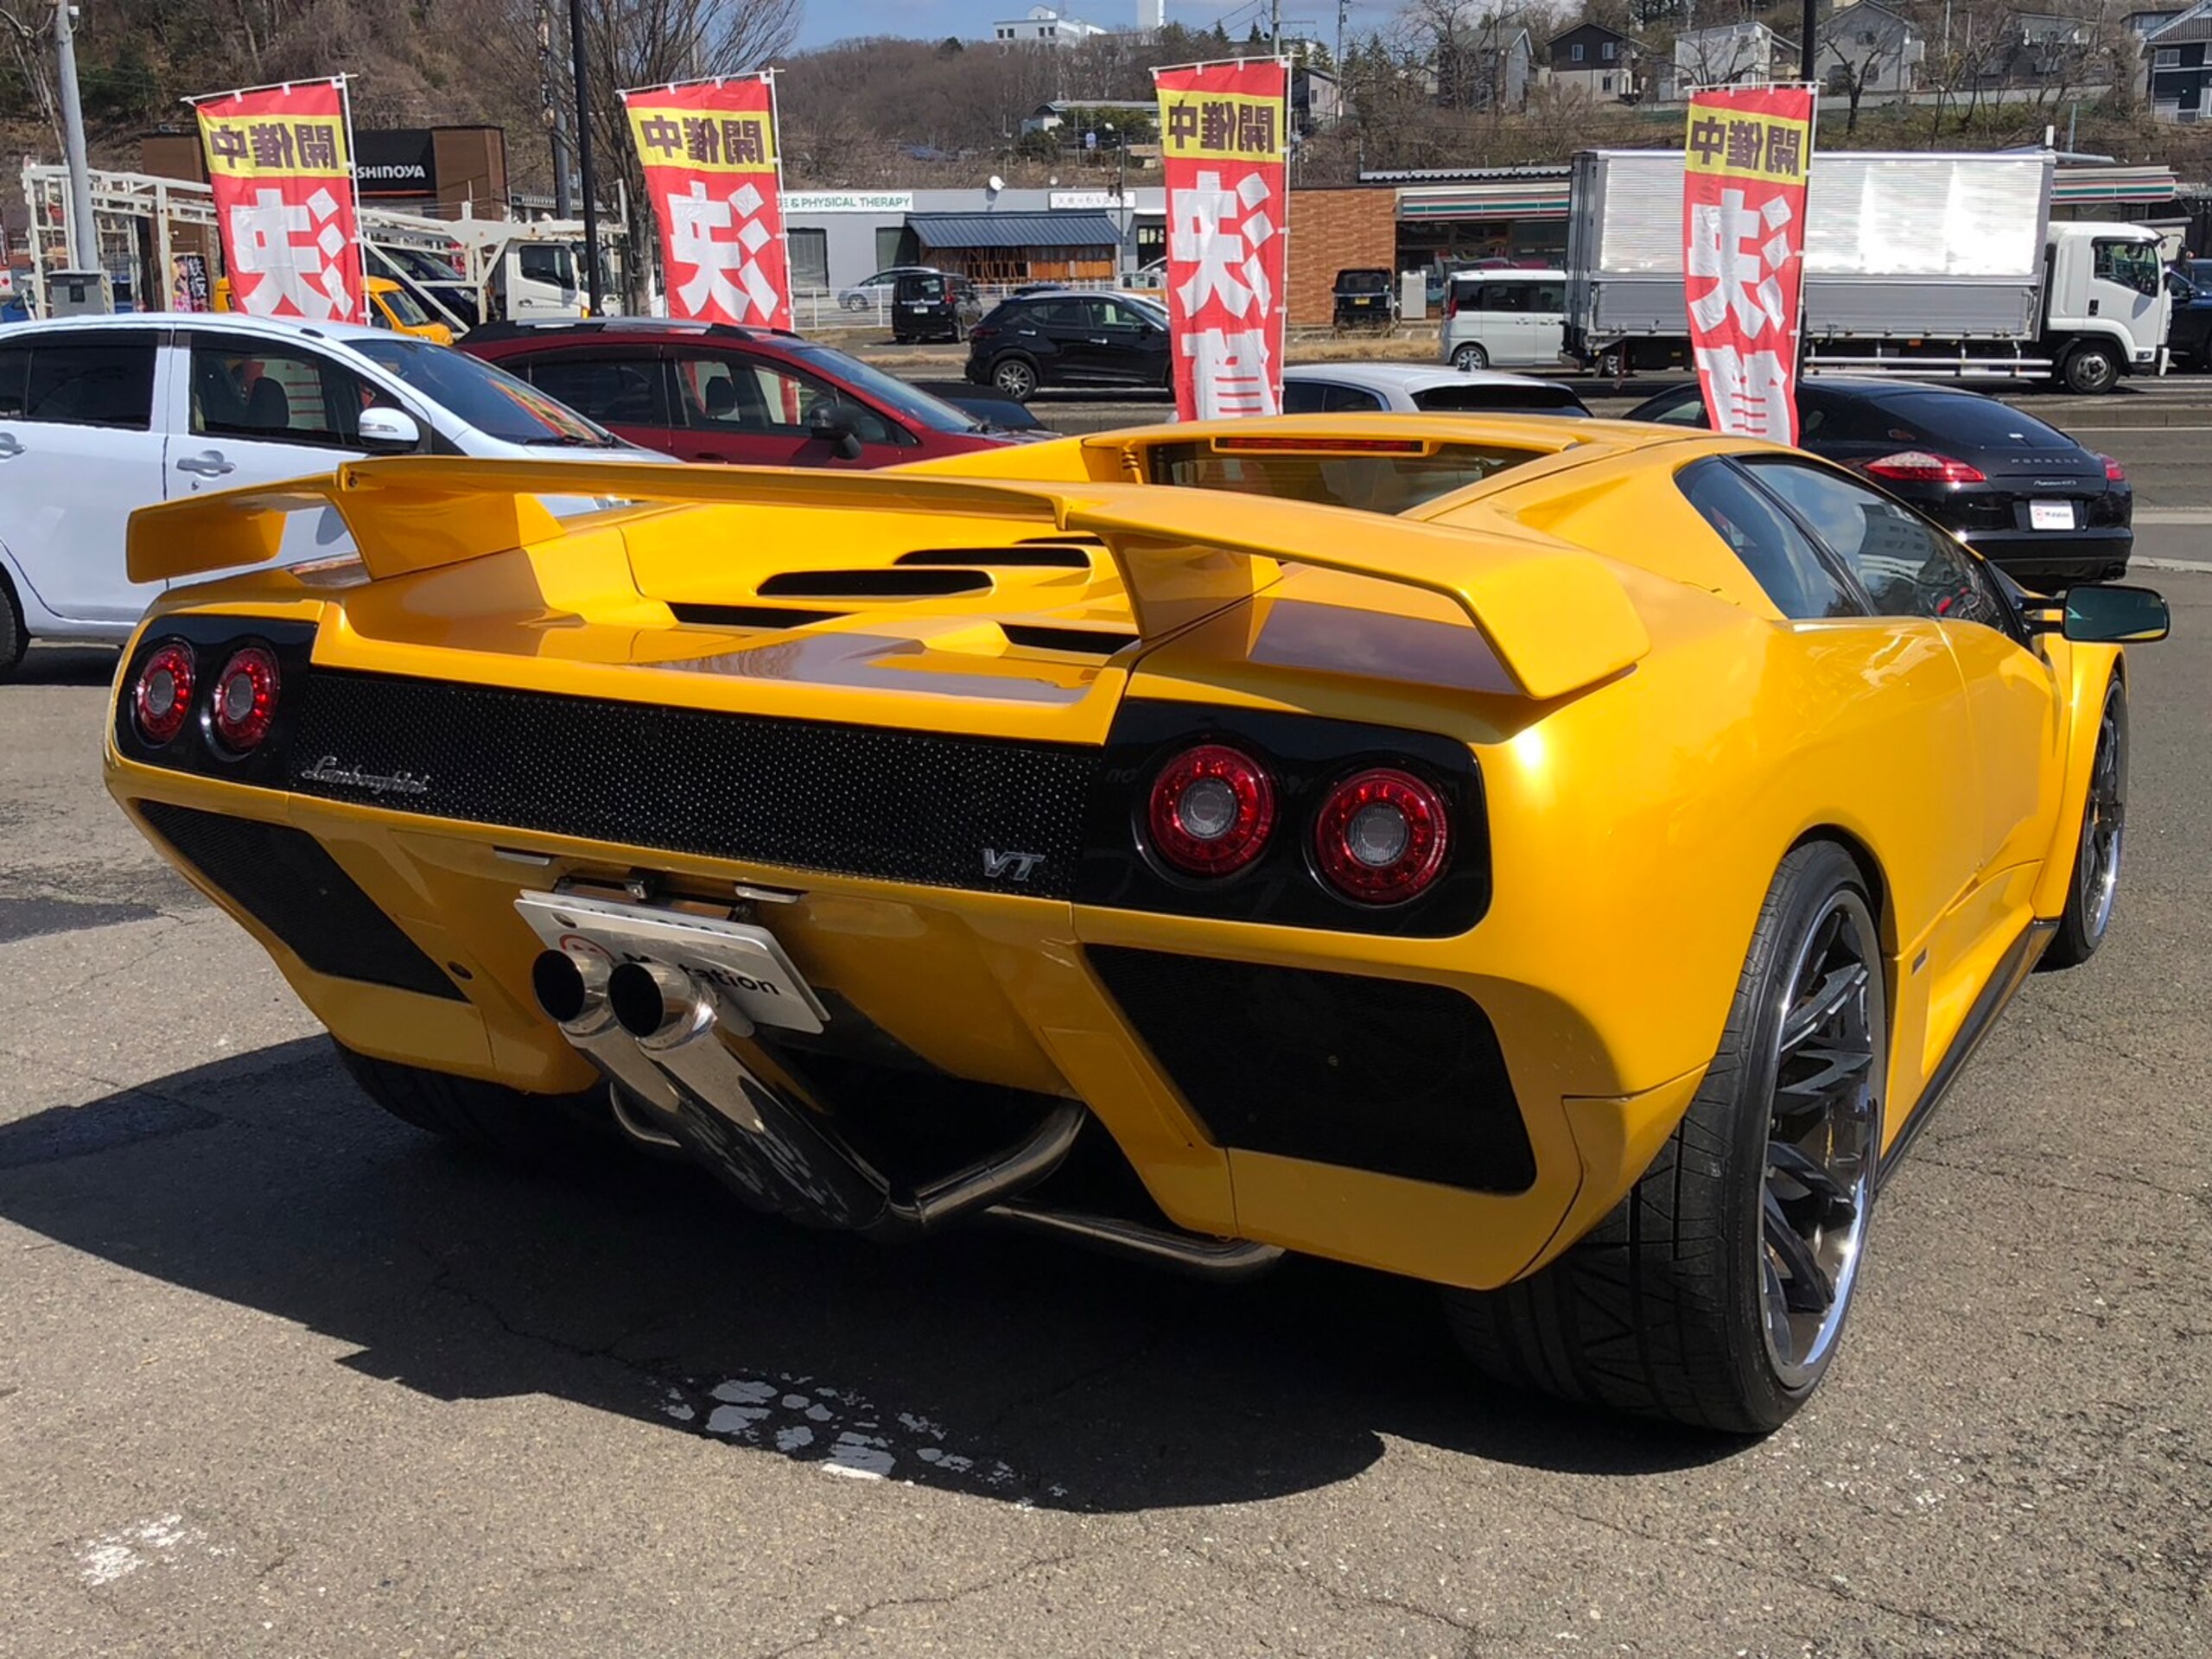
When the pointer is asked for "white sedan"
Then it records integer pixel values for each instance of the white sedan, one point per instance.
(1415, 388)
(102, 416)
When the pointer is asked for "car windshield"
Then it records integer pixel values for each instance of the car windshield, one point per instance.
(1391, 483)
(894, 394)
(495, 403)
(403, 309)
(1475, 399)
(1963, 418)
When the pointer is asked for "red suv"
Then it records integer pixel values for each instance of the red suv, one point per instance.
(709, 391)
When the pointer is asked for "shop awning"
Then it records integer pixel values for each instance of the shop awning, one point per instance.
(1077, 230)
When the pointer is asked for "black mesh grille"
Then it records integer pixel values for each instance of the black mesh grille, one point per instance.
(852, 800)
(287, 882)
(1373, 1074)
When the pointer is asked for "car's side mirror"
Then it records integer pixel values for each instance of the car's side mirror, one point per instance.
(2101, 613)
(389, 432)
(833, 428)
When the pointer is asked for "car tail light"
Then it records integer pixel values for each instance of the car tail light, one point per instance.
(1211, 809)
(1381, 837)
(2114, 473)
(1919, 466)
(160, 697)
(244, 704)
(1451, 300)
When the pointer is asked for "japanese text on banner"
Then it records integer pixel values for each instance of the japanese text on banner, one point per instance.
(1223, 128)
(708, 150)
(1744, 245)
(282, 177)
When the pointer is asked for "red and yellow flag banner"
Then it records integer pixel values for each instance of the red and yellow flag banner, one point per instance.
(1744, 175)
(282, 171)
(1223, 136)
(712, 168)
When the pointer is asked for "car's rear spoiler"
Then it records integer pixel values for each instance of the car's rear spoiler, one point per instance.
(1556, 616)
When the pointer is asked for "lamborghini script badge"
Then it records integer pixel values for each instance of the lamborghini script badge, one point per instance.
(327, 771)
(1010, 867)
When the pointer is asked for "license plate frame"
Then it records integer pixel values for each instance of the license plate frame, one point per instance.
(2050, 515)
(744, 964)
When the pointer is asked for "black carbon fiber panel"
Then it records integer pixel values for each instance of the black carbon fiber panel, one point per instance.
(851, 800)
(287, 882)
(1365, 1073)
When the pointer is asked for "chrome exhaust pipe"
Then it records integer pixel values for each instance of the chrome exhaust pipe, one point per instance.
(573, 995)
(677, 1024)
(785, 1154)
(1223, 1260)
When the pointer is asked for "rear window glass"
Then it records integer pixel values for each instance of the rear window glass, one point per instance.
(1476, 399)
(1931, 417)
(1355, 281)
(80, 379)
(1369, 483)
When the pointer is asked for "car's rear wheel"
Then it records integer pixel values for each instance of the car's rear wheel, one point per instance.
(1714, 1295)
(1469, 357)
(2092, 368)
(14, 639)
(856, 302)
(487, 1116)
(1016, 377)
(2097, 850)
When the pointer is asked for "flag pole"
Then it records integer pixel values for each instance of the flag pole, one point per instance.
(590, 178)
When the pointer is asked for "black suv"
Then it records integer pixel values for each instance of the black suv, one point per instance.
(1365, 298)
(931, 305)
(1069, 340)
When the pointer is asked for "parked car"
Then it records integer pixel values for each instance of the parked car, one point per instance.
(933, 305)
(392, 306)
(2189, 335)
(2035, 503)
(748, 396)
(1504, 318)
(1364, 298)
(875, 292)
(1069, 340)
(1578, 895)
(1151, 275)
(1414, 388)
(102, 416)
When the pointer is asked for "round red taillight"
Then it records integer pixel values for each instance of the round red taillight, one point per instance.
(1381, 837)
(162, 696)
(244, 704)
(1211, 809)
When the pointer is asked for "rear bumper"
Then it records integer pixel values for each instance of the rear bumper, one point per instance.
(1466, 1165)
(2041, 559)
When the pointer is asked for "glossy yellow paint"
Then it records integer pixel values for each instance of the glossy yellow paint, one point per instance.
(1652, 736)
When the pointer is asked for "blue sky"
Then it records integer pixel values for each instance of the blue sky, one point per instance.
(971, 20)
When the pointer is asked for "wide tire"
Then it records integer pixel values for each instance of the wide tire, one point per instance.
(14, 639)
(2095, 880)
(2091, 369)
(1713, 1295)
(487, 1116)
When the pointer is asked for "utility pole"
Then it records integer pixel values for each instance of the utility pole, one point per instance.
(548, 105)
(590, 178)
(84, 232)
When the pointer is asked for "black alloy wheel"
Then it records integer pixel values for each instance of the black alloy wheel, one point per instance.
(2098, 850)
(1714, 1295)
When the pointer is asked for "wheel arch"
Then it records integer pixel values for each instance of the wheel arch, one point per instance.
(2090, 671)
(1870, 871)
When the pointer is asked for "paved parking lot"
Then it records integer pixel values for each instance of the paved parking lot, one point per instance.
(279, 1377)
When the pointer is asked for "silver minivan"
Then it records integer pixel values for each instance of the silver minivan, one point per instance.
(1504, 318)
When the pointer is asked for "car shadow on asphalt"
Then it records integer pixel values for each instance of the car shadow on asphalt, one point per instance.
(984, 1362)
(65, 665)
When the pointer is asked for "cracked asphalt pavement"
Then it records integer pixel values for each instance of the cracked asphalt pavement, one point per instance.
(280, 1376)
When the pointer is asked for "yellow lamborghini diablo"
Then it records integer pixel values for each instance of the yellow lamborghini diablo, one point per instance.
(1563, 861)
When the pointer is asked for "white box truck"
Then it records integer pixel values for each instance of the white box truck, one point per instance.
(1938, 266)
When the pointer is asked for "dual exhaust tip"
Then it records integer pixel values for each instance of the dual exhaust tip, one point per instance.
(643, 997)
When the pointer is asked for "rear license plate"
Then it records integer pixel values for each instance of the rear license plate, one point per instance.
(744, 964)
(2050, 515)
